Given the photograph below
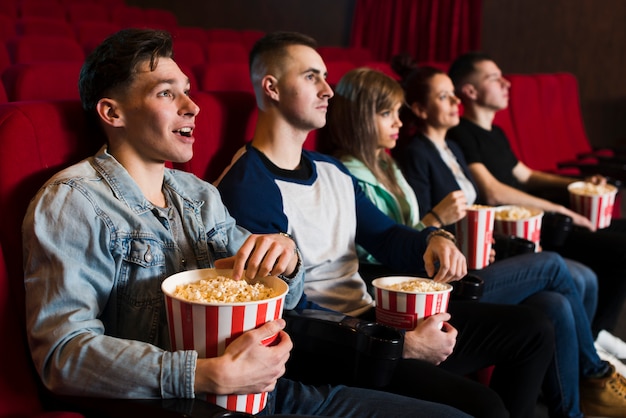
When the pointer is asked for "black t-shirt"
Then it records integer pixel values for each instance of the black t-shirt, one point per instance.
(490, 148)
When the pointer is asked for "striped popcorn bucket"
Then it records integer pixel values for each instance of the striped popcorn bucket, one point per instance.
(403, 309)
(528, 227)
(597, 207)
(474, 235)
(208, 328)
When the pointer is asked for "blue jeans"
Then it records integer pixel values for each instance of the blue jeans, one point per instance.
(295, 398)
(543, 280)
(586, 282)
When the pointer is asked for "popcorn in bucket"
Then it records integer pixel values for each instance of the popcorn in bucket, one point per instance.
(474, 234)
(401, 301)
(595, 202)
(520, 222)
(206, 311)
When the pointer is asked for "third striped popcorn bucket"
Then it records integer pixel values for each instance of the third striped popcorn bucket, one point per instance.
(595, 202)
(401, 301)
(208, 327)
(520, 222)
(474, 234)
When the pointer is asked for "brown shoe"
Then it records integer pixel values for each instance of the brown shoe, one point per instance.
(605, 396)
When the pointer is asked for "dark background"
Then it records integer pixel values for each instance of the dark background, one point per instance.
(585, 37)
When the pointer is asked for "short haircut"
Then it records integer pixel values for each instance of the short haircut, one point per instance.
(272, 50)
(465, 66)
(113, 64)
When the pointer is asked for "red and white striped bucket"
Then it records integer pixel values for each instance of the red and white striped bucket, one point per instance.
(527, 227)
(593, 202)
(474, 234)
(209, 328)
(403, 310)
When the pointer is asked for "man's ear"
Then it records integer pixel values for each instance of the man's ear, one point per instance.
(418, 110)
(469, 91)
(109, 112)
(269, 84)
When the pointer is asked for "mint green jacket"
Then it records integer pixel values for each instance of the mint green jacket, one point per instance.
(384, 199)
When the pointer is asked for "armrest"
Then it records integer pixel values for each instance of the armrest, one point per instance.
(333, 348)
(134, 408)
(614, 170)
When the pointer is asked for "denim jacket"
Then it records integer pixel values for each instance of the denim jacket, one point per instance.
(95, 254)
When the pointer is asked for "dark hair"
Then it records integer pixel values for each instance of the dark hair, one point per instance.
(415, 82)
(351, 130)
(112, 65)
(271, 49)
(464, 66)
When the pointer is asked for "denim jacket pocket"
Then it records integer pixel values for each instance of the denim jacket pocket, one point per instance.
(139, 289)
(217, 240)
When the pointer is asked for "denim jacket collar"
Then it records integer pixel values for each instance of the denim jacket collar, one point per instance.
(126, 189)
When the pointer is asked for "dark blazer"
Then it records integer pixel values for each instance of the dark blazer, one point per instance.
(426, 172)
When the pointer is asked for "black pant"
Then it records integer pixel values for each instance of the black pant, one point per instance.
(518, 340)
(604, 251)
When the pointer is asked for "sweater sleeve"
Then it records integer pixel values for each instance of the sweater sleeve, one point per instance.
(397, 246)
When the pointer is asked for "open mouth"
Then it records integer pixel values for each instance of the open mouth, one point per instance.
(184, 132)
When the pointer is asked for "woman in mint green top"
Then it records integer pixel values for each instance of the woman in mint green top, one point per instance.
(366, 105)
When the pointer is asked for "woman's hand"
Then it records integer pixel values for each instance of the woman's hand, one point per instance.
(452, 208)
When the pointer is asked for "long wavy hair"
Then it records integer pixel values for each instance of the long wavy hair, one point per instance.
(351, 128)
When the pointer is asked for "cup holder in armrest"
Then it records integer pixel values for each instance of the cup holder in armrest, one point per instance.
(333, 348)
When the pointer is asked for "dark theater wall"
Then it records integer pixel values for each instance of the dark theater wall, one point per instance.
(585, 37)
(328, 21)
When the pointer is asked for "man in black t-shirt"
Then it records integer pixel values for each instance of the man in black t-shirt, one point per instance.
(502, 179)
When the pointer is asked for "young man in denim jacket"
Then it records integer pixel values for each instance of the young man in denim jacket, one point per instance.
(100, 237)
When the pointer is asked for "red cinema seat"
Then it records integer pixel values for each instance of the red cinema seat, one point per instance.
(249, 37)
(190, 53)
(87, 12)
(37, 25)
(222, 35)
(190, 33)
(225, 51)
(19, 395)
(3, 94)
(5, 59)
(7, 27)
(225, 123)
(43, 8)
(91, 34)
(383, 67)
(38, 139)
(42, 81)
(160, 18)
(224, 76)
(37, 48)
(9, 8)
(128, 16)
(336, 70)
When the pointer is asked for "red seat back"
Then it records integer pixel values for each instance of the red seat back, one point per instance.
(7, 27)
(84, 12)
(225, 51)
(225, 76)
(225, 123)
(43, 8)
(188, 52)
(47, 26)
(37, 48)
(38, 139)
(42, 81)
